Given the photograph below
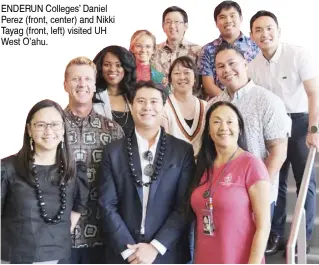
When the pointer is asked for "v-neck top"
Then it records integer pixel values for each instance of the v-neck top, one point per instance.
(177, 125)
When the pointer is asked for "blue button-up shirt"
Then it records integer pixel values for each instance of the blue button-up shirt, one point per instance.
(206, 63)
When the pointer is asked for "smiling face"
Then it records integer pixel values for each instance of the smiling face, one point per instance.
(228, 22)
(147, 108)
(174, 26)
(231, 69)
(49, 138)
(143, 49)
(224, 127)
(183, 79)
(265, 33)
(112, 69)
(80, 84)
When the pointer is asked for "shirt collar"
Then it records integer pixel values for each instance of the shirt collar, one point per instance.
(242, 91)
(221, 40)
(143, 143)
(276, 56)
(184, 43)
(74, 117)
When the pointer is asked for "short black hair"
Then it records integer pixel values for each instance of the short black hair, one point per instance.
(228, 46)
(148, 84)
(186, 62)
(175, 9)
(262, 13)
(226, 5)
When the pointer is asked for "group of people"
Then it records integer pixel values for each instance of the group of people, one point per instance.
(169, 153)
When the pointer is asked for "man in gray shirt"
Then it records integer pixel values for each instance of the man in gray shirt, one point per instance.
(267, 125)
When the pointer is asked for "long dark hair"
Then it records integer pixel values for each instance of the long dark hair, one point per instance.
(26, 156)
(127, 60)
(207, 153)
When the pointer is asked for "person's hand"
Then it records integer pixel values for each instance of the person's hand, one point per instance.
(313, 139)
(144, 253)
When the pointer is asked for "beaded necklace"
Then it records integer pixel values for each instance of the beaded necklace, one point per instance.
(156, 166)
(57, 218)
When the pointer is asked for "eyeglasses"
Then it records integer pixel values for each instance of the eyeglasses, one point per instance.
(176, 23)
(42, 126)
(140, 46)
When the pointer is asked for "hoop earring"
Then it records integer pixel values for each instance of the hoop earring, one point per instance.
(31, 143)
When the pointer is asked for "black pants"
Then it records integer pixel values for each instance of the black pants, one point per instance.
(94, 255)
(297, 157)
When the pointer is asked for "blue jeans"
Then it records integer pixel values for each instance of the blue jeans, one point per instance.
(297, 157)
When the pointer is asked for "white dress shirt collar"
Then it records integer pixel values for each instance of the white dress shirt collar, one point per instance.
(143, 143)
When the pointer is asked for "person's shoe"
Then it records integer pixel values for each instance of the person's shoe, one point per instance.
(275, 243)
(307, 250)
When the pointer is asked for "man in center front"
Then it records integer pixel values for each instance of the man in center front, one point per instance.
(144, 179)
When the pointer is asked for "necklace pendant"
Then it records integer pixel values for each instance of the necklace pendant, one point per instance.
(149, 170)
(206, 194)
(148, 156)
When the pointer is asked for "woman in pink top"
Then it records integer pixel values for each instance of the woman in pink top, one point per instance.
(230, 193)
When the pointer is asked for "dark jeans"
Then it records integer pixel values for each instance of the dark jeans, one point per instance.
(272, 209)
(94, 255)
(191, 237)
(297, 157)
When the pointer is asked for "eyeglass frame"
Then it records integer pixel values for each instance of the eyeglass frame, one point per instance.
(176, 23)
(46, 125)
(140, 46)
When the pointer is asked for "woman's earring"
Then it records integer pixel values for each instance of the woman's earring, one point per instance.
(31, 143)
(62, 144)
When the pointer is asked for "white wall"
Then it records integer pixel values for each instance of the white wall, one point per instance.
(32, 73)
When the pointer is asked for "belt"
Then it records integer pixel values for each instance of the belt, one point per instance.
(297, 115)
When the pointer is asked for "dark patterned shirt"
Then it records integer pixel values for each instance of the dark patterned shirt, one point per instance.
(164, 56)
(206, 62)
(87, 138)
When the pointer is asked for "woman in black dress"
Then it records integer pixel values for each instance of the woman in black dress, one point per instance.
(43, 193)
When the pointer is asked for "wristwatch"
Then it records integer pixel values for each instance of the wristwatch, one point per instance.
(313, 129)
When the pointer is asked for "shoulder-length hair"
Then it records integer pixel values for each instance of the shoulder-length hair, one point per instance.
(26, 156)
(186, 62)
(139, 34)
(207, 153)
(127, 60)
